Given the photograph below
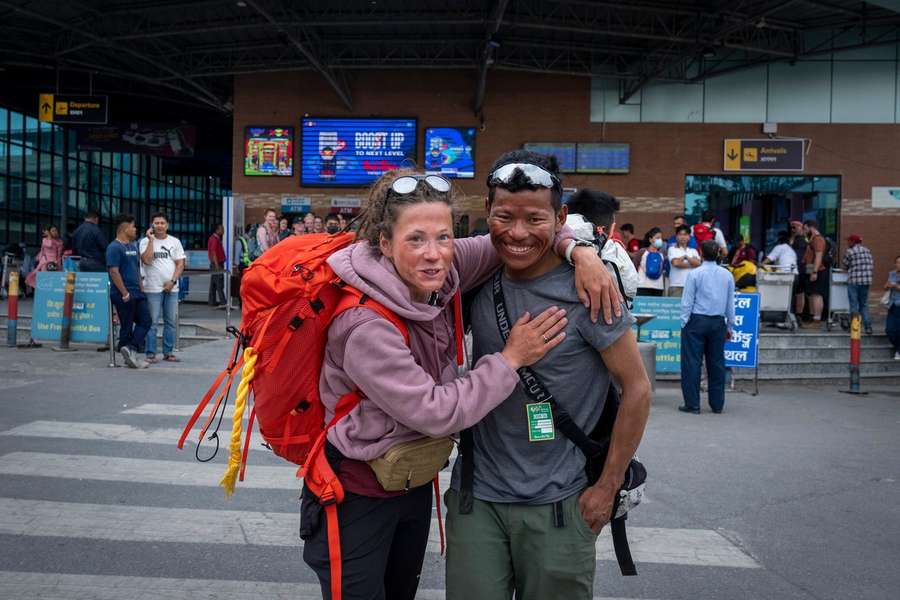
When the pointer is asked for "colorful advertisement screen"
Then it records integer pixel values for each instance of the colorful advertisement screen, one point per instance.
(354, 152)
(604, 158)
(450, 151)
(269, 151)
(563, 151)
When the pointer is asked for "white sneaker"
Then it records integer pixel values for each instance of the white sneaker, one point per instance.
(128, 355)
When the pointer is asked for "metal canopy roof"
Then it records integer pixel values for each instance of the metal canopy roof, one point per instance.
(190, 50)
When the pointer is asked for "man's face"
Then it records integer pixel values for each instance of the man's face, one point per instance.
(897, 264)
(129, 230)
(271, 219)
(677, 222)
(807, 230)
(626, 235)
(308, 221)
(683, 238)
(523, 225)
(160, 226)
(297, 228)
(220, 230)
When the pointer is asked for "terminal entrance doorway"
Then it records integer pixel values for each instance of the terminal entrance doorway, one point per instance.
(757, 207)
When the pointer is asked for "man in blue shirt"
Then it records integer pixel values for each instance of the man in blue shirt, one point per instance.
(89, 243)
(127, 292)
(707, 320)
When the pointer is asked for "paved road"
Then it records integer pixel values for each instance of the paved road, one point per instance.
(792, 494)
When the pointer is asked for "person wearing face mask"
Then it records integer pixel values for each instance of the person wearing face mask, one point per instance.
(651, 268)
(332, 224)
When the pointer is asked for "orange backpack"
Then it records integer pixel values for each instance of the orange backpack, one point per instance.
(289, 297)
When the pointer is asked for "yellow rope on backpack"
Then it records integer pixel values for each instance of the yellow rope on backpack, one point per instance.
(240, 403)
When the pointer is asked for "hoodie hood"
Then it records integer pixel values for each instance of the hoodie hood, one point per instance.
(371, 273)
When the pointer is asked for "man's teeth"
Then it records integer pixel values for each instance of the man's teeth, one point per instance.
(518, 249)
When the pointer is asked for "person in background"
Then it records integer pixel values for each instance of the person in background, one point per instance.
(706, 229)
(267, 233)
(707, 320)
(49, 257)
(318, 225)
(892, 327)
(741, 252)
(332, 224)
(127, 291)
(342, 221)
(815, 273)
(651, 266)
(682, 258)
(309, 221)
(782, 254)
(859, 264)
(162, 256)
(284, 230)
(89, 243)
(297, 227)
(679, 221)
(632, 244)
(798, 245)
(216, 252)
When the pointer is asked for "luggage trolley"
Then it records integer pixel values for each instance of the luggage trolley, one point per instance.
(775, 286)
(838, 300)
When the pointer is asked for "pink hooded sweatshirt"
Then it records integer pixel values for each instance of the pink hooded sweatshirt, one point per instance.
(410, 391)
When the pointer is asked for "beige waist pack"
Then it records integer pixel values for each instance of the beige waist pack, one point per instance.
(411, 464)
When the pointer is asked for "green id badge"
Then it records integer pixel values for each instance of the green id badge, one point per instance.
(540, 422)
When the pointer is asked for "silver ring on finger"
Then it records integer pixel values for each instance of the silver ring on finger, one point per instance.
(546, 339)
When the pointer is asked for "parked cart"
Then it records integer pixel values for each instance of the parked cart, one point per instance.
(775, 286)
(838, 300)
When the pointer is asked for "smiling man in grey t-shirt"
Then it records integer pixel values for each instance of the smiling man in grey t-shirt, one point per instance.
(534, 520)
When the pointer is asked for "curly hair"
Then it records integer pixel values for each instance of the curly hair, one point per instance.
(382, 212)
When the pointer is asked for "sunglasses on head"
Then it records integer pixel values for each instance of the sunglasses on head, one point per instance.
(408, 184)
(534, 174)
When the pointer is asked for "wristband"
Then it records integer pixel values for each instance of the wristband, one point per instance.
(571, 247)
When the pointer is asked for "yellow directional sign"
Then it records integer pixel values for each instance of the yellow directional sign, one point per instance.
(770, 154)
(45, 107)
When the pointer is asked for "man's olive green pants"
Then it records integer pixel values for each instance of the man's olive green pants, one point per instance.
(498, 549)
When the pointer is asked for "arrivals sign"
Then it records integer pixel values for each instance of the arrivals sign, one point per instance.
(77, 110)
(90, 307)
(764, 155)
(742, 349)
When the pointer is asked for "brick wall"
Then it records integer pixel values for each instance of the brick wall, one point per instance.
(525, 107)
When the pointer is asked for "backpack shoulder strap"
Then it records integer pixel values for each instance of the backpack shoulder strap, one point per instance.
(353, 298)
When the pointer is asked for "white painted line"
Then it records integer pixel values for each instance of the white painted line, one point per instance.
(142, 470)
(178, 410)
(59, 586)
(150, 524)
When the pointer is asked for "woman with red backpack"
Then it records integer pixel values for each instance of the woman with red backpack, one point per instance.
(406, 374)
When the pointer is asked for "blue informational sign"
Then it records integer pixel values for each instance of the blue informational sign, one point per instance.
(603, 158)
(450, 151)
(90, 309)
(354, 152)
(743, 347)
(563, 151)
(664, 330)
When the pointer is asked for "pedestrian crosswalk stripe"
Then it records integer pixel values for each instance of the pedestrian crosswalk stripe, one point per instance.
(41, 518)
(142, 470)
(63, 586)
(174, 410)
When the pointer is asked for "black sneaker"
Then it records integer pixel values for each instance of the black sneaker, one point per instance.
(688, 409)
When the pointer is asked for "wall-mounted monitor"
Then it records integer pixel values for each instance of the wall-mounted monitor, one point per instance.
(563, 151)
(603, 158)
(354, 152)
(269, 151)
(450, 151)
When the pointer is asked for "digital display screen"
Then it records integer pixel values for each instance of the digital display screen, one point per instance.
(354, 152)
(563, 151)
(604, 158)
(269, 151)
(450, 151)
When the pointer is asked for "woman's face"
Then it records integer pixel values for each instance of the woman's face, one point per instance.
(282, 224)
(422, 247)
(54, 233)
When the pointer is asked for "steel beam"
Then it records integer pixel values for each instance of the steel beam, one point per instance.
(487, 53)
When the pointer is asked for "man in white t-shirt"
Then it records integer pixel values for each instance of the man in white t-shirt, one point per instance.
(782, 255)
(162, 262)
(682, 258)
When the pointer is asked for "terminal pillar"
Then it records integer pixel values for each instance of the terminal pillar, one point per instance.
(65, 333)
(855, 341)
(12, 317)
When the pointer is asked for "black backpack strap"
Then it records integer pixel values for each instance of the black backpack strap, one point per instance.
(620, 545)
(467, 472)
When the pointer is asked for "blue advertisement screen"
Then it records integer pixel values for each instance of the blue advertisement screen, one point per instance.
(450, 151)
(354, 152)
(604, 158)
(563, 151)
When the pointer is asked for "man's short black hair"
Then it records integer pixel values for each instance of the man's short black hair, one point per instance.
(627, 227)
(709, 249)
(682, 217)
(332, 217)
(708, 216)
(683, 229)
(92, 214)
(122, 218)
(783, 237)
(519, 182)
(811, 223)
(159, 215)
(598, 208)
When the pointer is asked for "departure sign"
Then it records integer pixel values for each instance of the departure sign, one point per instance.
(78, 110)
(764, 155)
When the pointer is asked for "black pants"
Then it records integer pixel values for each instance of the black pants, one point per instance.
(134, 320)
(703, 336)
(216, 293)
(383, 543)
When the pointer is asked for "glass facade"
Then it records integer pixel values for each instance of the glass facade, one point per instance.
(41, 168)
(762, 205)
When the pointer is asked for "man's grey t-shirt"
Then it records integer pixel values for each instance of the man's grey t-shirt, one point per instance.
(508, 467)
